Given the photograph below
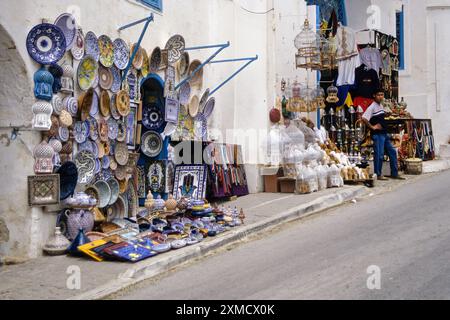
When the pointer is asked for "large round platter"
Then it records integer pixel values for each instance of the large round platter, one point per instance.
(175, 47)
(118, 210)
(106, 48)
(153, 119)
(86, 104)
(138, 60)
(121, 54)
(201, 127)
(121, 153)
(46, 43)
(183, 65)
(112, 129)
(85, 162)
(209, 107)
(57, 104)
(114, 113)
(122, 130)
(151, 144)
(145, 64)
(194, 106)
(63, 134)
(91, 46)
(67, 23)
(103, 129)
(93, 128)
(105, 104)
(185, 93)
(117, 79)
(115, 189)
(197, 80)
(155, 60)
(204, 99)
(95, 105)
(77, 49)
(104, 192)
(71, 105)
(123, 103)
(105, 78)
(80, 131)
(87, 73)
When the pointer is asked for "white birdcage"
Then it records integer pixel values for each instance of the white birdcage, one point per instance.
(307, 43)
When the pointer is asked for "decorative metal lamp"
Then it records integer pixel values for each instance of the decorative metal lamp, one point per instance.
(320, 97)
(295, 101)
(307, 43)
(332, 92)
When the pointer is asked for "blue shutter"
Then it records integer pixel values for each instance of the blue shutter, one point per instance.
(327, 6)
(401, 39)
(155, 4)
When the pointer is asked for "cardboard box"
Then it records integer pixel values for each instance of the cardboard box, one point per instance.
(271, 175)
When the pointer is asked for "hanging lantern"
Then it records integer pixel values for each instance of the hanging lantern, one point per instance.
(295, 101)
(307, 43)
(320, 97)
(332, 93)
(308, 98)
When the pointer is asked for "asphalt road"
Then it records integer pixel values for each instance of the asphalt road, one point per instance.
(405, 233)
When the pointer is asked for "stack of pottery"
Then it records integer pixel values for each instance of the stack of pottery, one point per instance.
(201, 208)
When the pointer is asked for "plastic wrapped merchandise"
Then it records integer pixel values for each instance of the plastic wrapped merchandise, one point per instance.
(309, 134)
(296, 136)
(307, 181)
(274, 151)
(322, 176)
(334, 178)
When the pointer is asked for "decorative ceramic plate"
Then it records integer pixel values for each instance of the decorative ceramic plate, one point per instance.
(132, 84)
(105, 78)
(68, 178)
(114, 186)
(151, 144)
(80, 131)
(91, 46)
(132, 200)
(121, 54)
(145, 64)
(153, 119)
(85, 162)
(121, 153)
(67, 23)
(105, 104)
(94, 107)
(71, 105)
(169, 129)
(46, 43)
(183, 65)
(120, 171)
(104, 193)
(93, 128)
(87, 73)
(138, 61)
(201, 127)
(118, 210)
(175, 47)
(197, 79)
(117, 79)
(78, 46)
(57, 104)
(155, 60)
(63, 134)
(103, 130)
(185, 93)
(95, 149)
(114, 113)
(193, 106)
(113, 129)
(86, 104)
(123, 103)
(86, 146)
(209, 107)
(204, 99)
(105, 162)
(106, 48)
(122, 133)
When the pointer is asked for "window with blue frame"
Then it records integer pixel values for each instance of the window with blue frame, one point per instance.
(401, 38)
(154, 4)
(327, 7)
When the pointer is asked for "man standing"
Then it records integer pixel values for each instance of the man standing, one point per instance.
(374, 117)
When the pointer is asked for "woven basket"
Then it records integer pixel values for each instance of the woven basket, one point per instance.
(414, 166)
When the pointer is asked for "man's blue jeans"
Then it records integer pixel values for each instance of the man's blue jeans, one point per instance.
(382, 142)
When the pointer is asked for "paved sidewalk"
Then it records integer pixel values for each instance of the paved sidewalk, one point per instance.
(45, 277)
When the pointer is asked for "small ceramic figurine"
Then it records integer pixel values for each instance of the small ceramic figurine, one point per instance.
(42, 115)
(43, 84)
(242, 216)
(149, 202)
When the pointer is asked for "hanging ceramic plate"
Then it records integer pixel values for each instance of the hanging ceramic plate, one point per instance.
(57, 104)
(121, 153)
(106, 48)
(120, 172)
(105, 78)
(46, 43)
(91, 46)
(103, 130)
(63, 134)
(114, 113)
(68, 178)
(169, 129)
(77, 49)
(153, 118)
(87, 72)
(115, 189)
(132, 84)
(138, 58)
(145, 64)
(204, 99)
(71, 105)
(123, 185)
(183, 65)
(86, 104)
(94, 107)
(104, 193)
(85, 162)
(118, 210)
(93, 128)
(121, 54)
(86, 146)
(201, 127)
(151, 144)
(197, 80)
(185, 93)
(80, 131)
(193, 106)
(105, 162)
(175, 47)
(209, 107)
(105, 103)
(132, 200)
(67, 23)
(155, 60)
(122, 134)
(123, 103)
(112, 129)
(117, 79)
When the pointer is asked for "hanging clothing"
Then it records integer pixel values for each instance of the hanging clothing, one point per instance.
(371, 57)
(346, 69)
(362, 102)
(366, 81)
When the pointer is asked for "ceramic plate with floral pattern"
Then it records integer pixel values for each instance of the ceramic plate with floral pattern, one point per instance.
(121, 54)
(106, 48)
(91, 45)
(87, 73)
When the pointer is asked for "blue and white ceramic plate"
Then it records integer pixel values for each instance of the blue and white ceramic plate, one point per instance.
(67, 23)
(93, 128)
(121, 54)
(78, 46)
(209, 107)
(113, 108)
(185, 94)
(63, 134)
(94, 107)
(105, 162)
(80, 131)
(71, 105)
(91, 45)
(153, 119)
(46, 43)
(113, 129)
(117, 79)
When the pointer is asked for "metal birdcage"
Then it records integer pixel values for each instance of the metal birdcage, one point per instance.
(307, 43)
(327, 54)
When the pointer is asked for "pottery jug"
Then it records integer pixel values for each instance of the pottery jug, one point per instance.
(78, 219)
